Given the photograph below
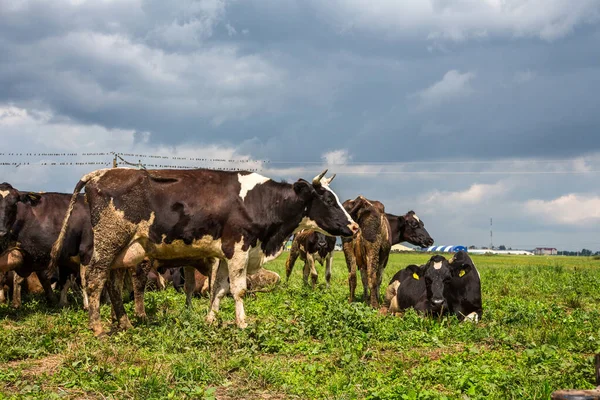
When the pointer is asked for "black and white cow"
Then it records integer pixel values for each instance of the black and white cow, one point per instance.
(464, 299)
(438, 287)
(311, 246)
(239, 218)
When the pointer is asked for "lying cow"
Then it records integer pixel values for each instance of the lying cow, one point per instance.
(369, 250)
(262, 280)
(239, 218)
(311, 246)
(29, 225)
(438, 287)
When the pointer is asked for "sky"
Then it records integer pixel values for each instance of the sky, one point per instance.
(461, 110)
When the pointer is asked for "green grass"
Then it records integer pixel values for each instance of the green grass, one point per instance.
(539, 332)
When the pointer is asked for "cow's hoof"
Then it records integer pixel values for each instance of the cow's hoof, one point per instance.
(142, 317)
(124, 324)
(242, 324)
(210, 318)
(98, 330)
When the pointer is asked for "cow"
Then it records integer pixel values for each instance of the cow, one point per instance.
(11, 285)
(311, 246)
(438, 287)
(196, 283)
(464, 299)
(370, 248)
(240, 218)
(31, 222)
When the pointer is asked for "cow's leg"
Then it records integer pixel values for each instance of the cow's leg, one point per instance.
(3, 278)
(379, 276)
(63, 302)
(115, 291)
(289, 264)
(161, 284)
(364, 276)
(48, 291)
(139, 280)
(220, 288)
(238, 267)
(310, 260)
(307, 267)
(97, 275)
(17, 286)
(328, 262)
(351, 263)
(84, 295)
(372, 271)
(190, 284)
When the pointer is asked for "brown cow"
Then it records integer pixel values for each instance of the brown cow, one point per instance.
(370, 248)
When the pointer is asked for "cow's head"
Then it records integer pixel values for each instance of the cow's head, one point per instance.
(414, 231)
(461, 264)
(9, 199)
(320, 243)
(362, 208)
(437, 275)
(324, 212)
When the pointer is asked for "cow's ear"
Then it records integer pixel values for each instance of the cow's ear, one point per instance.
(356, 206)
(460, 270)
(417, 272)
(304, 190)
(31, 198)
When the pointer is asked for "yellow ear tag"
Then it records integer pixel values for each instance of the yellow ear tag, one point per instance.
(415, 275)
(461, 273)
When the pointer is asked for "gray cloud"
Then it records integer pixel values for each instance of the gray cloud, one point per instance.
(342, 83)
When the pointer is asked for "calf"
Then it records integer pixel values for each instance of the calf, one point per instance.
(311, 245)
(29, 225)
(240, 219)
(370, 248)
(438, 287)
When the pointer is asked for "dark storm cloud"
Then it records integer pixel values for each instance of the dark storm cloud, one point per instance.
(289, 81)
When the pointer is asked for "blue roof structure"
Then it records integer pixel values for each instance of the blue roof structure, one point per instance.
(446, 249)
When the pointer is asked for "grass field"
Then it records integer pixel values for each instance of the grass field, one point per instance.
(539, 332)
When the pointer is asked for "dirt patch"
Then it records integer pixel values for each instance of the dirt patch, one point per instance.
(34, 368)
(10, 325)
(238, 386)
(233, 392)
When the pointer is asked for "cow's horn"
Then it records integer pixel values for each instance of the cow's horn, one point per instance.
(327, 181)
(317, 179)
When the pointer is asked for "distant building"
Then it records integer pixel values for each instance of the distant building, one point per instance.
(398, 248)
(545, 251)
(490, 251)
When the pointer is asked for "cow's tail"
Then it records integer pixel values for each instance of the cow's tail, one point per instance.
(58, 245)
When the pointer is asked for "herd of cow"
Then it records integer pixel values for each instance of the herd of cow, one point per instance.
(218, 228)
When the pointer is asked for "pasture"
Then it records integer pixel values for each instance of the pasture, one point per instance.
(539, 332)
